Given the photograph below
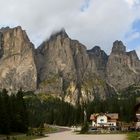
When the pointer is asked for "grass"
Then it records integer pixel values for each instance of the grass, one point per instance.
(133, 136)
(50, 129)
(19, 137)
(25, 137)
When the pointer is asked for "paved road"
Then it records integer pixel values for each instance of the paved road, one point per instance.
(68, 135)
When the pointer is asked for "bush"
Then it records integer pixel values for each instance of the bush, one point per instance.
(36, 131)
(85, 128)
(40, 131)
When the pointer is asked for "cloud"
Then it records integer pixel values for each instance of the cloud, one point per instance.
(138, 51)
(130, 2)
(92, 22)
(133, 2)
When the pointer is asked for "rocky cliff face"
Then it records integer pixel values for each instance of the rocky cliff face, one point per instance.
(17, 67)
(55, 65)
(81, 75)
(123, 68)
(100, 58)
(64, 67)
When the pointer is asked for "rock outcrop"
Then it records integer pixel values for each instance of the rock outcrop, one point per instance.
(123, 68)
(17, 67)
(100, 58)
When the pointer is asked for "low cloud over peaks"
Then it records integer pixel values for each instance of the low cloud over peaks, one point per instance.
(92, 22)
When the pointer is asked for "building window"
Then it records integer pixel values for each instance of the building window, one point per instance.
(101, 120)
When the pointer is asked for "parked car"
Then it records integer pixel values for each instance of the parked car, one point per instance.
(93, 129)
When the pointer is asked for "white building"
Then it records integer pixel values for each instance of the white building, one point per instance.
(137, 115)
(106, 120)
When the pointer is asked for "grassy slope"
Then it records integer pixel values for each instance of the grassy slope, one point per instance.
(133, 136)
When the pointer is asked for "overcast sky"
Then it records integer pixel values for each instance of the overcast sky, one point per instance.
(92, 22)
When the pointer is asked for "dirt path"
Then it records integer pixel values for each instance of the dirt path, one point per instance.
(68, 135)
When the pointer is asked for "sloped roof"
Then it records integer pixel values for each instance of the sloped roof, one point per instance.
(94, 116)
(112, 116)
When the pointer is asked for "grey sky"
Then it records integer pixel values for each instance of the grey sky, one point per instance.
(92, 22)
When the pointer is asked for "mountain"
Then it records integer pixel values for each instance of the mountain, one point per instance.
(63, 67)
(67, 69)
(123, 68)
(17, 65)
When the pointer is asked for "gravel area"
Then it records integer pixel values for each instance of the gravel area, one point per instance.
(68, 135)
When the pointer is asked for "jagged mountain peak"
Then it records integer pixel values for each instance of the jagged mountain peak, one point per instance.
(118, 47)
(123, 68)
(64, 67)
(97, 51)
(61, 32)
(96, 48)
(133, 55)
(55, 37)
(5, 29)
(16, 32)
(17, 67)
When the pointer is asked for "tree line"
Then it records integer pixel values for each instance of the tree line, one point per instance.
(13, 113)
(24, 110)
(124, 104)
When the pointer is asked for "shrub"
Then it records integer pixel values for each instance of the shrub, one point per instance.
(84, 128)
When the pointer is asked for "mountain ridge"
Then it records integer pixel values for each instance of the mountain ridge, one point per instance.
(63, 67)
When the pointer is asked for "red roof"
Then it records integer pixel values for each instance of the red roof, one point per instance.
(92, 117)
(111, 116)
